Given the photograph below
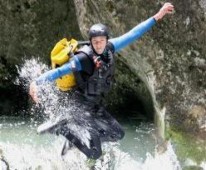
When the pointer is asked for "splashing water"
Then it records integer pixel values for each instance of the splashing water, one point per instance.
(32, 157)
(167, 160)
(24, 149)
(30, 70)
(57, 107)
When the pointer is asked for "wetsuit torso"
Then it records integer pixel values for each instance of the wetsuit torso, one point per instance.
(95, 80)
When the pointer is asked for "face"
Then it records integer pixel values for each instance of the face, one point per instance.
(99, 43)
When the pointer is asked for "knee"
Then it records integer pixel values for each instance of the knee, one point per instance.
(118, 135)
(121, 134)
(94, 153)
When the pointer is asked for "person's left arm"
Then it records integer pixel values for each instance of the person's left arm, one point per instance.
(132, 35)
(140, 29)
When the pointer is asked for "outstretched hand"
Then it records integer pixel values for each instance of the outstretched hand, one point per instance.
(33, 92)
(167, 8)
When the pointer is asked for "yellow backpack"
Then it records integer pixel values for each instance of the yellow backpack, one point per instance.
(61, 54)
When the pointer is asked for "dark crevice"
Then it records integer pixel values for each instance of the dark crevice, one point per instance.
(3, 60)
(27, 5)
(130, 100)
(14, 100)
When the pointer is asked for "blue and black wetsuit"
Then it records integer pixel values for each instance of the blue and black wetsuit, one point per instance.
(93, 83)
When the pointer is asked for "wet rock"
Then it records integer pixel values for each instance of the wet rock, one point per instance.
(162, 147)
(196, 120)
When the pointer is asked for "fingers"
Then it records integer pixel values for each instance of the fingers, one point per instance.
(35, 98)
(168, 8)
(33, 92)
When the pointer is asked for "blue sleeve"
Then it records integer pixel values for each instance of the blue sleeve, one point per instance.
(73, 65)
(132, 35)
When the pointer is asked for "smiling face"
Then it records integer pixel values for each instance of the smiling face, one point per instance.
(99, 43)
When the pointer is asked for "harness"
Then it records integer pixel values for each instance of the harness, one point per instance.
(100, 81)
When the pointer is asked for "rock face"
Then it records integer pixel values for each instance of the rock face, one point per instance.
(29, 28)
(169, 59)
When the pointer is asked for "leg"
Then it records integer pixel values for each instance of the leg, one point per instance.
(67, 145)
(108, 127)
(93, 152)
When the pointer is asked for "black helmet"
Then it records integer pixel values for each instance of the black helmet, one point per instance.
(98, 30)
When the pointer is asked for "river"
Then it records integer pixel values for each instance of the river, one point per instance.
(23, 149)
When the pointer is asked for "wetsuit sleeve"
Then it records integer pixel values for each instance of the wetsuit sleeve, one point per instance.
(72, 66)
(132, 35)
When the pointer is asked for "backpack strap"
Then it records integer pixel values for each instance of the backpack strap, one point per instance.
(86, 50)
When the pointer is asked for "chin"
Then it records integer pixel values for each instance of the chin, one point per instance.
(99, 52)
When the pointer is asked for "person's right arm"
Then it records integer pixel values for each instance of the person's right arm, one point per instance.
(73, 65)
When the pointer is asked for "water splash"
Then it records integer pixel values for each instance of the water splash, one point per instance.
(41, 157)
(167, 160)
(203, 165)
(28, 155)
(30, 70)
(22, 157)
(56, 105)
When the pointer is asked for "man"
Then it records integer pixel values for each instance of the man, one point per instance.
(93, 67)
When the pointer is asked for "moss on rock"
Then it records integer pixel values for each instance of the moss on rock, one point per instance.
(187, 146)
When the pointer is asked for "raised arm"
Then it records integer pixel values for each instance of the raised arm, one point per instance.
(140, 29)
(132, 35)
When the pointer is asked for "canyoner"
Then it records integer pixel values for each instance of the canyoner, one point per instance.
(88, 73)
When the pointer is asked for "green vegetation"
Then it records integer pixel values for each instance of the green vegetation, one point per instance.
(187, 146)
